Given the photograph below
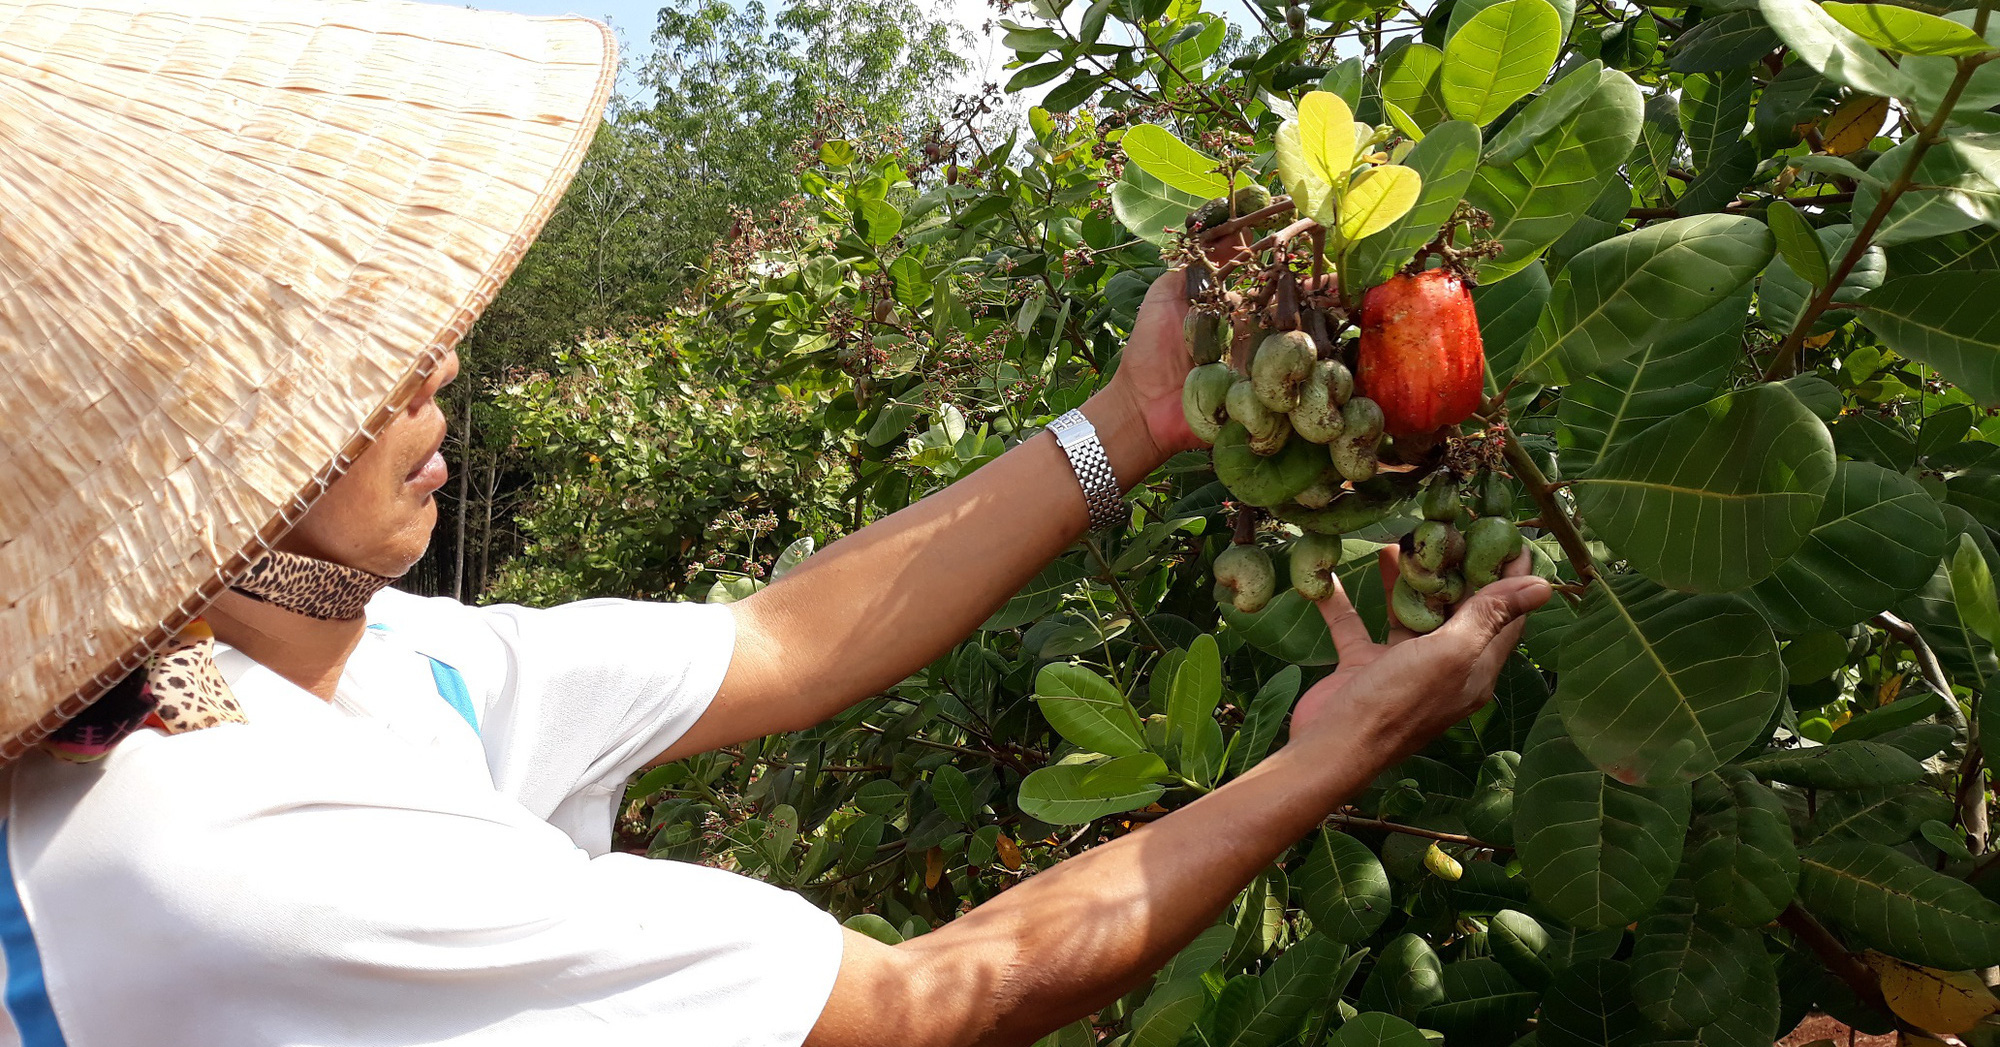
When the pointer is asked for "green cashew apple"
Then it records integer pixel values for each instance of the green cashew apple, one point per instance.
(1320, 495)
(1267, 428)
(1203, 330)
(1202, 397)
(1453, 589)
(1279, 370)
(1350, 512)
(1417, 612)
(1436, 546)
(1208, 215)
(1490, 542)
(1354, 459)
(1440, 498)
(1264, 480)
(1245, 578)
(1318, 417)
(1419, 578)
(1496, 496)
(1251, 199)
(1314, 558)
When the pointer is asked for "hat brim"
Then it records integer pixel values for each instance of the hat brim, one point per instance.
(240, 235)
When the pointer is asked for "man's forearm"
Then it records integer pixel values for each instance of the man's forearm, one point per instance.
(881, 603)
(1070, 940)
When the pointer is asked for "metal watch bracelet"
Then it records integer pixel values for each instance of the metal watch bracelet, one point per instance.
(1078, 439)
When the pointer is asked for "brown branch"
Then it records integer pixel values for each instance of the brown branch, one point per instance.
(1845, 965)
(1554, 517)
(1354, 821)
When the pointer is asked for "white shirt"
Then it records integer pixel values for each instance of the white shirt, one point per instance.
(373, 871)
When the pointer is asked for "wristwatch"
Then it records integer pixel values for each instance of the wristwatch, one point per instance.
(1078, 439)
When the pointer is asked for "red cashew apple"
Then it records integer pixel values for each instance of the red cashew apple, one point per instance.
(1421, 357)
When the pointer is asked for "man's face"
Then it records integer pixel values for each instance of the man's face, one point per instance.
(379, 515)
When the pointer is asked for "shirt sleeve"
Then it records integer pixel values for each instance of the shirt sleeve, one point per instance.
(289, 897)
(575, 698)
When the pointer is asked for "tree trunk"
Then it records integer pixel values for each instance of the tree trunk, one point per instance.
(464, 489)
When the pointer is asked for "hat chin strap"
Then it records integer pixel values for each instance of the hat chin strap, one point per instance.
(319, 589)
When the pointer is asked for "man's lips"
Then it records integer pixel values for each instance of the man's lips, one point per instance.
(430, 472)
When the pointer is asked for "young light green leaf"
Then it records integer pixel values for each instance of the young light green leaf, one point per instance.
(1380, 196)
(1972, 589)
(1499, 55)
(1838, 54)
(1167, 158)
(1087, 710)
(1309, 191)
(1444, 161)
(1796, 242)
(1903, 31)
(1326, 134)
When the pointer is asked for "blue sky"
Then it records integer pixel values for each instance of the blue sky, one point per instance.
(633, 19)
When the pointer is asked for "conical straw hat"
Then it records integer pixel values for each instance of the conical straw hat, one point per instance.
(235, 236)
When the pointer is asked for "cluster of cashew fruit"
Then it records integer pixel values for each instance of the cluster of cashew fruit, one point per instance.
(1332, 437)
(1442, 564)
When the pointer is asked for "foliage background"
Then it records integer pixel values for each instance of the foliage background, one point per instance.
(799, 286)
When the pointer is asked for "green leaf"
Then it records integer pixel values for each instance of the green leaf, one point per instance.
(1169, 1009)
(1972, 590)
(1953, 190)
(1197, 691)
(1410, 81)
(1714, 110)
(1464, 10)
(1716, 497)
(1687, 967)
(953, 792)
(1783, 292)
(1723, 43)
(1886, 815)
(1407, 978)
(1150, 208)
(1845, 765)
(1946, 839)
(1908, 32)
(1376, 1029)
(1443, 161)
(1838, 54)
(1590, 1005)
(1544, 114)
(1632, 290)
(1087, 709)
(1499, 55)
(1537, 196)
(1658, 687)
(1750, 1019)
(1039, 596)
(1172, 161)
(1877, 539)
(1656, 152)
(1521, 945)
(1796, 242)
(1597, 852)
(1480, 998)
(1287, 991)
(1266, 713)
(1883, 719)
(1885, 900)
(1343, 887)
(1684, 368)
(1074, 793)
(874, 927)
(1381, 195)
(1933, 610)
(1945, 320)
(1290, 627)
(1741, 860)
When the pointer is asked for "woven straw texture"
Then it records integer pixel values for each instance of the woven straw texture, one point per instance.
(235, 236)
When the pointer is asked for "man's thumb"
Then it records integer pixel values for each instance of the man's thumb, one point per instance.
(1491, 609)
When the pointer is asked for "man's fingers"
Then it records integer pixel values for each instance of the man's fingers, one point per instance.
(1350, 633)
(1480, 620)
(1389, 563)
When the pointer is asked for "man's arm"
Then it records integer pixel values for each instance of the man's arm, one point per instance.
(1070, 940)
(890, 599)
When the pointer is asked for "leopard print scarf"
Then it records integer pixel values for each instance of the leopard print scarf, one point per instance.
(319, 589)
(179, 689)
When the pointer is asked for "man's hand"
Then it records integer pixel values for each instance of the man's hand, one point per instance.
(1156, 363)
(1404, 692)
